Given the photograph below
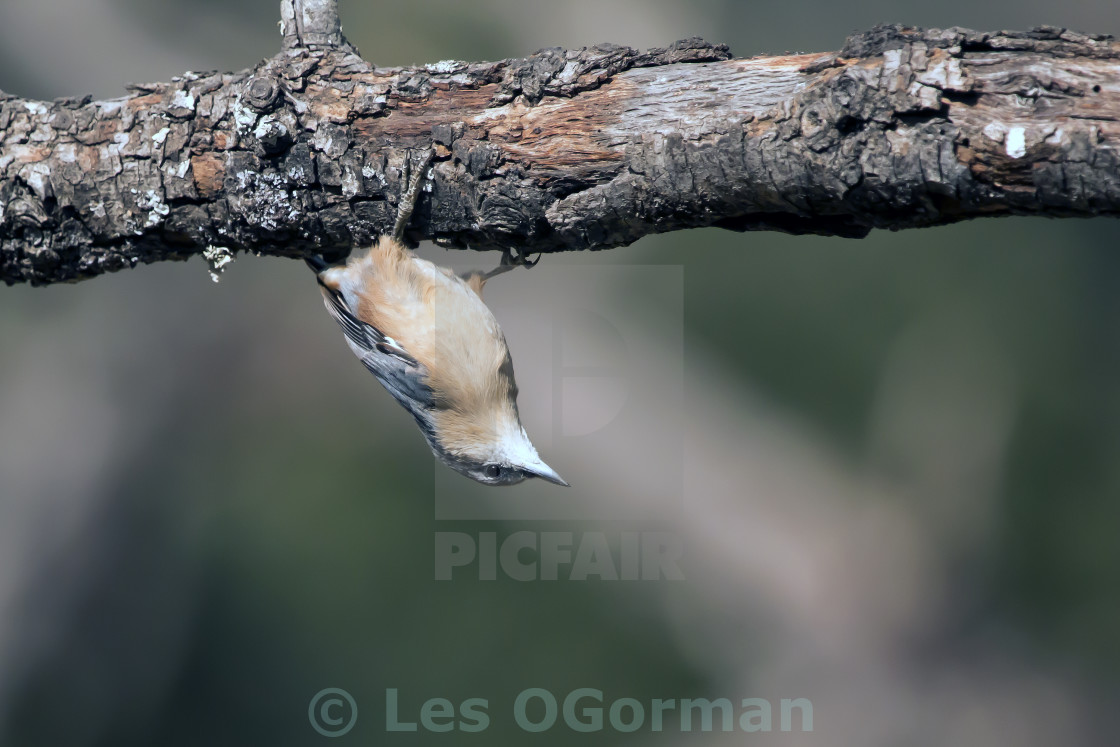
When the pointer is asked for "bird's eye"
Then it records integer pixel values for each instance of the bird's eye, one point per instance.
(493, 471)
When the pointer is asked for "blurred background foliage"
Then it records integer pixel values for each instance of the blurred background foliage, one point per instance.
(199, 529)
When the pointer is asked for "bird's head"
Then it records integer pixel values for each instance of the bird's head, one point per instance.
(492, 451)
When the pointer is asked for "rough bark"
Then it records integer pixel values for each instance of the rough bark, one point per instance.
(564, 150)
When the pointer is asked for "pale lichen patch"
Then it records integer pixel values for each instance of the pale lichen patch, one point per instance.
(158, 209)
(183, 100)
(217, 257)
(995, 131)
(443, 66)
(1017, 142)
(38, 177)
(265, 127)
(244, 117)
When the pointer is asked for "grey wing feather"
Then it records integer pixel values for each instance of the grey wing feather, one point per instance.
(399, 372)
(356, 331)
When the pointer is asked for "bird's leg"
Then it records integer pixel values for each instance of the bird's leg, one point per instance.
(411, 196)
(509, 261)
(476, 279)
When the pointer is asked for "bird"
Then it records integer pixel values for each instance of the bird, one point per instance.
(425, 333)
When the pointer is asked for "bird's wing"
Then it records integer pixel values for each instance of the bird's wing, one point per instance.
(398, 371)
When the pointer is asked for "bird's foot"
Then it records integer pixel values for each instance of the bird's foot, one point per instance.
(510, 259)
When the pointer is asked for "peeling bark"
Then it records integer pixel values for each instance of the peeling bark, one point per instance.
(564, 150)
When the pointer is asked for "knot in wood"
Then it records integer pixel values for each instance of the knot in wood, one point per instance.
(262, 93)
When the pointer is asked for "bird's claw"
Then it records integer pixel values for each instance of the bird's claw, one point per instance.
(512, 258)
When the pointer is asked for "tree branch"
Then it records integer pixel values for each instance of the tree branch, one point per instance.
(564, 150)
(310, 23)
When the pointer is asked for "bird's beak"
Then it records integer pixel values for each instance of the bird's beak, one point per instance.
(544, 472)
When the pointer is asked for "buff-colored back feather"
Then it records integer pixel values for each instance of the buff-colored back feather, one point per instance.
(441, 321)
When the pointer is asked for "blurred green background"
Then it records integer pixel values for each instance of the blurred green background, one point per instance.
(902, 454)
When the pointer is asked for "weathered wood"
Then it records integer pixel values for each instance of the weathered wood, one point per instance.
(310, 23)
(562, 150)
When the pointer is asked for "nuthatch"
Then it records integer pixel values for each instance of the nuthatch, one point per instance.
(427, 336)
